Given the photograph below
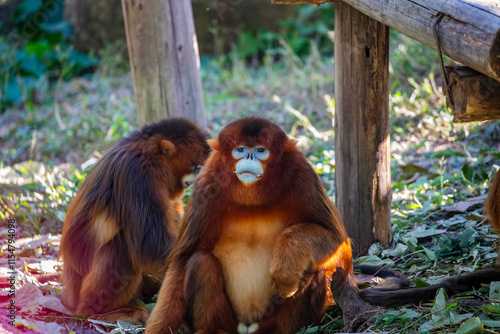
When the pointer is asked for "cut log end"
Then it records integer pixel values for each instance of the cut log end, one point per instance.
(295, 2)
(476, 97)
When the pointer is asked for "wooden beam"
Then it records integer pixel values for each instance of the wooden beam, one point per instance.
(476, 97)
(468, 33)
(164, 60)
(362, 163)
(293, 2)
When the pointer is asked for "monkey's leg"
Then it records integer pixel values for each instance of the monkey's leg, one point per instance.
(72, 282)
(77, 252)
(208, 308)
(303, 308)
(111, 285)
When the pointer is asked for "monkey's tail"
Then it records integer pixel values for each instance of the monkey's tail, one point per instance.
(389, 279)
(452, 285)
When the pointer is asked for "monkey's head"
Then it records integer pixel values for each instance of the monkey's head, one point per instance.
(178, 145)
(252, 151)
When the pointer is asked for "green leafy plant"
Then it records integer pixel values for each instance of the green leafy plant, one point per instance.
(37, 52)
(311, 28)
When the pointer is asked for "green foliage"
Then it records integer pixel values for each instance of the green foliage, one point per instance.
(311, 27)
(37, 52)
(471, 326)
(40, 197)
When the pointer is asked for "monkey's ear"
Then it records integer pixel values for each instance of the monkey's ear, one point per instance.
(290, 145)
(214, 143)
(167, 147)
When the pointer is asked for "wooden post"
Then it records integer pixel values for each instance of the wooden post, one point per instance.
(362, 163)
(164, 60)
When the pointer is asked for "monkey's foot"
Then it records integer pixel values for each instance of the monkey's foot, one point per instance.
(247, 328)
(356, 312)
(133, 314)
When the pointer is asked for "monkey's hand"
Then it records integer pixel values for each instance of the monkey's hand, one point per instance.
(289, 263)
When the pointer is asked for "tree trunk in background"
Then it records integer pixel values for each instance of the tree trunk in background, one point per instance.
(217, 22)
(95, 22)
(164, 60)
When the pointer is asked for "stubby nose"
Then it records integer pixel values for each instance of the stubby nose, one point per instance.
(250, 156)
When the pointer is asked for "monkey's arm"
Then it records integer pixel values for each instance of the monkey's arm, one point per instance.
(168, 313)
(171, 305)
(303, 247)
(78, 246)
(137, 205)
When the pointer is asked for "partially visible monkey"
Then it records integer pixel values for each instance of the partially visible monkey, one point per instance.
(492, 203)
(125, 217)
(452, 285)
(256, 244)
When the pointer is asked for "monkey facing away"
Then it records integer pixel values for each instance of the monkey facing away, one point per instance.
(123, 221)
(256, 244)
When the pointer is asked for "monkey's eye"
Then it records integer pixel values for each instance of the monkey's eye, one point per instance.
(239, 152)
(261, 153)
(195, 168)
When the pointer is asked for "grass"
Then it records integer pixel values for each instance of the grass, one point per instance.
(49, 143)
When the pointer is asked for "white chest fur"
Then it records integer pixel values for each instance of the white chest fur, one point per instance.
(245, 251)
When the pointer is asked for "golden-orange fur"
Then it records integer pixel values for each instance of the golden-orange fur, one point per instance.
(122, 223)
(492, 203)
(253, 253)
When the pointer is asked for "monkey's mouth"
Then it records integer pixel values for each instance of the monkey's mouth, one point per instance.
(247, 172)
(188, 180)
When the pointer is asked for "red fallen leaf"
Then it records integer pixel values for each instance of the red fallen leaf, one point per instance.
(5, 328)
(54, 304)
(27, 298)
(42, 278)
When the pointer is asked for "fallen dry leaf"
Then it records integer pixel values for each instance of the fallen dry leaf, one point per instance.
(27, 298)
(54, 304)
(464, 206)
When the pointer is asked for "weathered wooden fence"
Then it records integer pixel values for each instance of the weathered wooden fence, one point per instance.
(467, 31)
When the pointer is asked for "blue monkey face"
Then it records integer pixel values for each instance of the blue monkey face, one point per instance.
(249, 168)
